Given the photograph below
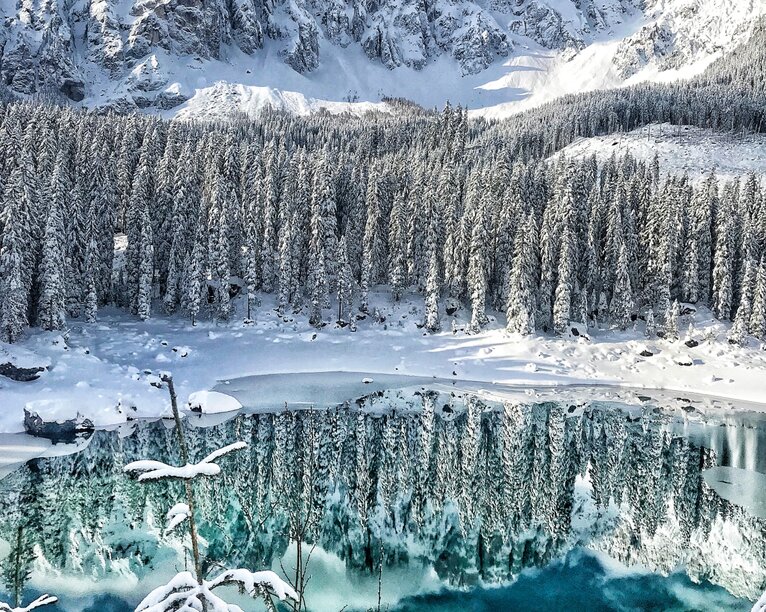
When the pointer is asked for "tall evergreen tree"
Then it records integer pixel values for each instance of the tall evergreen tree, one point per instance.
(520, 307)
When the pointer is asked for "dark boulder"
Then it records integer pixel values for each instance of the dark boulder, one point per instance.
(62, 431)
(20, 374)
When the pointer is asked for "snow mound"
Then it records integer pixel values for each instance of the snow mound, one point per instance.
(61, 411)
(224, 99)
(212, 402)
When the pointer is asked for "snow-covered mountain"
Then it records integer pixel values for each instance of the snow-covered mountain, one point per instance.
(506, 54)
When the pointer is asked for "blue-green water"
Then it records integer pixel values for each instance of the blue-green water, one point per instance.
(579, 582)
(465, 505)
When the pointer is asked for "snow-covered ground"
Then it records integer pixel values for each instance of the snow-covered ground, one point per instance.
(107, 371)
(681, 149)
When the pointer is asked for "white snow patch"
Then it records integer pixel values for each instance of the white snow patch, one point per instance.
(212, 402)
(680, 149)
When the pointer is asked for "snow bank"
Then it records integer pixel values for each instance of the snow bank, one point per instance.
(212, 402)
(101, 372)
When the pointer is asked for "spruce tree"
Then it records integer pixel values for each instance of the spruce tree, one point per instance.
(671, 321)
(51, 309)
(621, 307)
(345, 282)
(91, 271)
(478, 267)
(566, 277)
(745, 309)
(13, 293)
(520, 307)
(757, 324)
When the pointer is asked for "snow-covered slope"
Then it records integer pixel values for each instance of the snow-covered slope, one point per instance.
(681, 149)
(496, 55)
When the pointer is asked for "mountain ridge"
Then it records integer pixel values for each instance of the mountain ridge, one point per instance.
(503, 54)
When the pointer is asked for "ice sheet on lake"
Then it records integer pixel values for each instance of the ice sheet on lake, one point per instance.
(318, 389)
(744, 488)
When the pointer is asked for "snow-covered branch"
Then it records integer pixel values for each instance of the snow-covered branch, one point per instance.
(155, 470)
(760, 605)
(41, 601)
(185, 594)
(177, 515)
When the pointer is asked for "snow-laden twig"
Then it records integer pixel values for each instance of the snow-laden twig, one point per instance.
(185, 594)
(155, 470)
(43, 600)
(177, 515)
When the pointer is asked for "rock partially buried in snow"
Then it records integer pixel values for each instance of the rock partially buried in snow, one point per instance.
(367, 381)
(212, 402)
(55, 428)
(20, 374)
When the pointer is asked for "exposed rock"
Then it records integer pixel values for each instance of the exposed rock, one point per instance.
(35, 425)
(20, 374)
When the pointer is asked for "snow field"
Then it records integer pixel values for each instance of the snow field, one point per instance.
(105, 371)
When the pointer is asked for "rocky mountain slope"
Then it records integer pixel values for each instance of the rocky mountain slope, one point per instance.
(130, 54)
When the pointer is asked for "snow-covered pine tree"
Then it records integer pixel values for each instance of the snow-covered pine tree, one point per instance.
(723, 259)
(650, 330)
(138, 229)
(520, 307)
(92, 269)
(51, 309)
(397, 246)
(373, 253)
(144, 282)
(548, 253)
(562, 304)
(671, 321)
(621, 307)
(183, 215)
(745, 308)
(286, 280)
(431, 252)
(270, 188)
(345, 284)
(223, 197)
(13, 292)
(757, 325)
(478, 263)
(195, 281)
(318, 285)
(323, 197)
(103, 207)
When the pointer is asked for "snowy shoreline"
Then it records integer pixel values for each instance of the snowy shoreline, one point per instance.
(104, 371)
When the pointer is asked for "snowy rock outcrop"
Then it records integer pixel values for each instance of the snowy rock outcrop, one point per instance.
(681, 32)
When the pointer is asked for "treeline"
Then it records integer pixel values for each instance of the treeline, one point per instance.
(311, 208)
